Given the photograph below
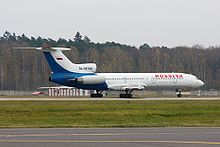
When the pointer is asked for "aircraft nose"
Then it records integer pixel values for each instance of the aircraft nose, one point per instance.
(201, 83)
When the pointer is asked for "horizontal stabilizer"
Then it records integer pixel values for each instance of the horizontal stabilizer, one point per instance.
(26, 48)
(45, 49)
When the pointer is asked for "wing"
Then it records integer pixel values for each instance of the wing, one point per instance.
(56, 87)
(127, 87)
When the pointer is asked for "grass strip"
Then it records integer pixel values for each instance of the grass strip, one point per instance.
(109, 113)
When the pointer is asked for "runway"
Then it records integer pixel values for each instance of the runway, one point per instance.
(108, 137)
(105, 98)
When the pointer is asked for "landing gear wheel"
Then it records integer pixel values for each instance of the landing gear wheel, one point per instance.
(121, 95)
(125, 95)
(129, 95)
(96, 95)
(178, 92)
(179, 95)
(99, 95)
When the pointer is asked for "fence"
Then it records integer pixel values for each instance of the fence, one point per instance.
(49, 92)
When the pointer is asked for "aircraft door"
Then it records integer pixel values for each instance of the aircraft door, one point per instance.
(153, 80)
(147, 81)
(125, 79)
(175, 80)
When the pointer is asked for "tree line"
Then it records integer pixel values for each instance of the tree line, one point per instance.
(26, 70)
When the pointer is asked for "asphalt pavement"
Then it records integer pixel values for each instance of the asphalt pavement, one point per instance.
(109, 137)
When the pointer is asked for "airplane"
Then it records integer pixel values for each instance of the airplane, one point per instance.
(84, 76)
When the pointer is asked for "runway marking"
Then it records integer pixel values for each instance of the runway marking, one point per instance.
(103, 134)
(111, 141)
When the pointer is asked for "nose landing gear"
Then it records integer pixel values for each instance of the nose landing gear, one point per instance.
(178, 93)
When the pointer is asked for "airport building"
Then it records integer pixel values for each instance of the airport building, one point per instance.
(68, 92)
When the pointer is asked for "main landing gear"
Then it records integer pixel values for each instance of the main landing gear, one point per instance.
(178, 93)
(127, 94)
(97, 94)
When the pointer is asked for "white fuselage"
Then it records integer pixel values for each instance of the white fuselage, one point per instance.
(151, 80)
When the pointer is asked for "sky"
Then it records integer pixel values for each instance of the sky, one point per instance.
(168, 23)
